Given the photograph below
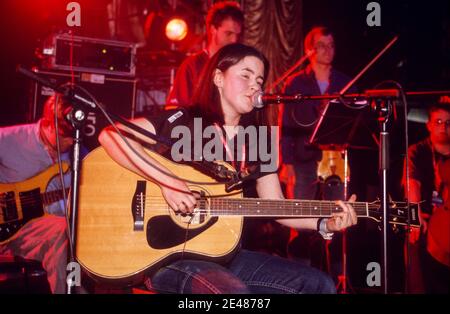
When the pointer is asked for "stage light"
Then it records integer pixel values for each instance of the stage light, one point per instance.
(176, 29)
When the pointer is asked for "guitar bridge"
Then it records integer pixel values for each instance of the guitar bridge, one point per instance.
(138, 206)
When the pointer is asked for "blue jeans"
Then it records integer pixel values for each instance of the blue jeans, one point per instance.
(248, 272)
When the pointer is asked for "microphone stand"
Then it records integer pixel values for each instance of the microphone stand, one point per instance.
(384, 110)
(77, 118)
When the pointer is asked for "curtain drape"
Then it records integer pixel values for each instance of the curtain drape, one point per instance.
(275, 28)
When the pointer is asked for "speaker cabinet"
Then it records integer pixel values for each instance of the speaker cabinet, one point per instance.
(117, 95)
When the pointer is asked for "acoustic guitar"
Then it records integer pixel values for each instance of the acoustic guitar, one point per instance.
(125, 227)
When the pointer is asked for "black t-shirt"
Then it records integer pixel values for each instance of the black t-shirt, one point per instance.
(193, 139)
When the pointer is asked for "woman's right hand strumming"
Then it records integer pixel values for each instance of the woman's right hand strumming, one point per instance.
(178, 196)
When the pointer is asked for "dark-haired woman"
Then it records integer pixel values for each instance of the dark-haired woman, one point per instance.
(224, 101)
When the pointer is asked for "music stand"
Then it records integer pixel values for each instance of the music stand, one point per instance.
(339, 128)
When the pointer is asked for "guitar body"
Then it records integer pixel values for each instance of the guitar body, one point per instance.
(22, 201)
(119, 236)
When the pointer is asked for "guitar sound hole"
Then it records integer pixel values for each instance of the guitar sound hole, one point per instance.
(163, 233)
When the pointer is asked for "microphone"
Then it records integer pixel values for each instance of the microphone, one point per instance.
(261, 99)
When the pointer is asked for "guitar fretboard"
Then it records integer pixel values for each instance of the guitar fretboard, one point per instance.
(52, 196)
(263, 207)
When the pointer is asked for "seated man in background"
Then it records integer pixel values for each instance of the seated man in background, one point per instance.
(427, 272)
(26, 151)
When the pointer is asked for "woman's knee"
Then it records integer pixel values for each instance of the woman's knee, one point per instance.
(197, 277)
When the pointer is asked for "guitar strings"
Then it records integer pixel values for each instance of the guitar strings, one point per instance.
(331, 206)
(204, 209)
(268, 203)
(272, 204)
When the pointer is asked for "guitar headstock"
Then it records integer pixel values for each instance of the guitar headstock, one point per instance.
(397, 213)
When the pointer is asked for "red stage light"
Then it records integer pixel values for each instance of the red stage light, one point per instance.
(176, 29)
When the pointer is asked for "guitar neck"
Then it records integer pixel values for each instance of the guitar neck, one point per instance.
(255, 207)
(53, 196)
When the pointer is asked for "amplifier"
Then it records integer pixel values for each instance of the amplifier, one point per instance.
(117, 95)
(89, 54)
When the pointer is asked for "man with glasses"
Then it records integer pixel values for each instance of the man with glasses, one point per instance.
(425, 184)
(300, 161)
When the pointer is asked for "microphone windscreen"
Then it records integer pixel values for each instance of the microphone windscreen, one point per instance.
(258, 100)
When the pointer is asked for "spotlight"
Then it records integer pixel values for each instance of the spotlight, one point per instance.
(176, 29)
